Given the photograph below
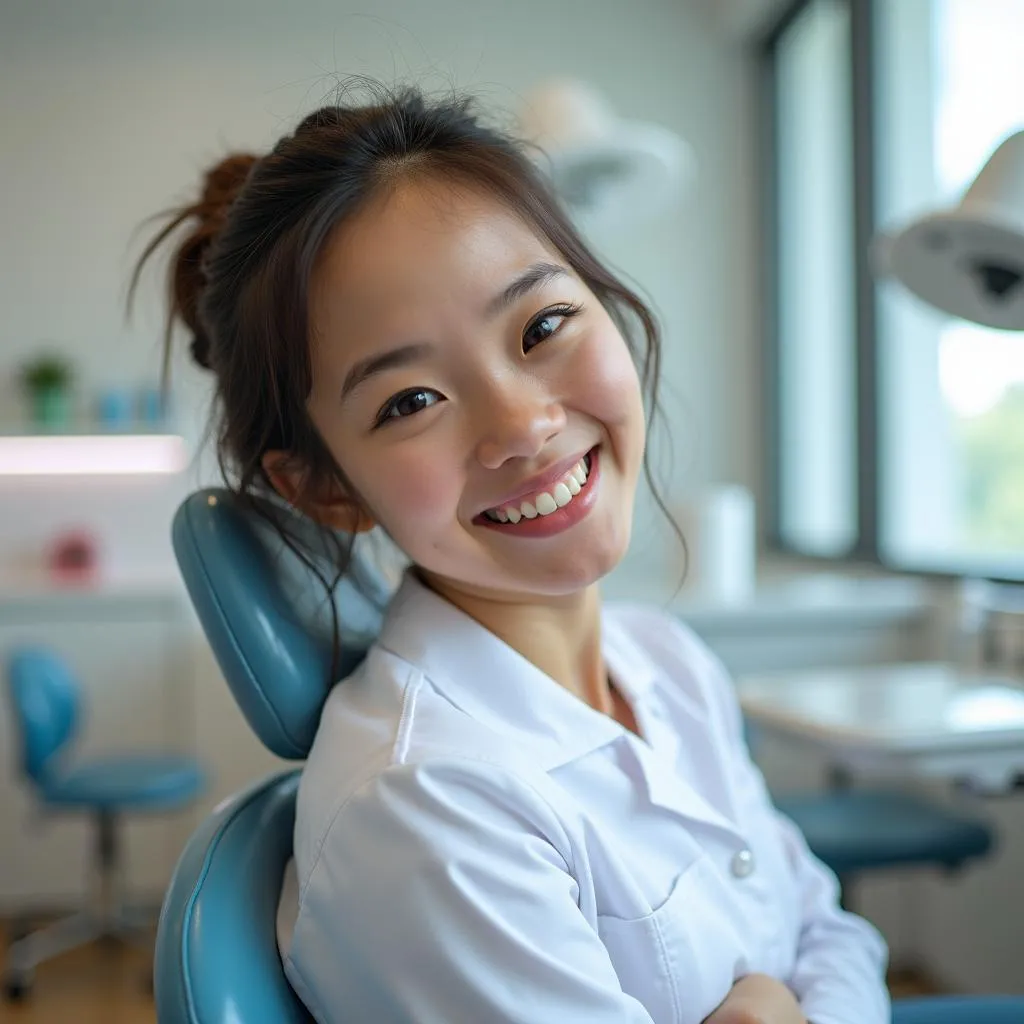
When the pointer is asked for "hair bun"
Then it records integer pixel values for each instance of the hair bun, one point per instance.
(204, 218)
(222, 184)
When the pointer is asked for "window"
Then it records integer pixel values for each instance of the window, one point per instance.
(815, 282)
(898, 431)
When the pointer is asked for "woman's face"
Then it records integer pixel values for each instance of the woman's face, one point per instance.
(467, 382)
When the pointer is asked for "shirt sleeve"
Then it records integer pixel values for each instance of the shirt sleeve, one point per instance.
(438, 896)
(839, 976)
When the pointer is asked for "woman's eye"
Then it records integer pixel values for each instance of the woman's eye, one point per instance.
(408, 403)
(547, 324)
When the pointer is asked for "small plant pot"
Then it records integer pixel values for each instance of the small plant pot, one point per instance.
(51, 408)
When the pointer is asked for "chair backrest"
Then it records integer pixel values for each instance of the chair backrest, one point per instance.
(266, 616)
(45, 700)
(216, 958)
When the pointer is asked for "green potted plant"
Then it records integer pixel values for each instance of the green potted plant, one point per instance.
(47, 381)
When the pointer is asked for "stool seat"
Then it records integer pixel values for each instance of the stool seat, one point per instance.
(129, 782)
(856, 830)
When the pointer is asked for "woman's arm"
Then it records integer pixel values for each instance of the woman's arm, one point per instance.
(436, 898)
(758, 999)
(839, 975)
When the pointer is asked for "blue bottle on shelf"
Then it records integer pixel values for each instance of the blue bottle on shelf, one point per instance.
(152, 407)
(115, 409)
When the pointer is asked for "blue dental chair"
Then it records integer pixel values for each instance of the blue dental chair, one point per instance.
(216, 955)
(269, 626)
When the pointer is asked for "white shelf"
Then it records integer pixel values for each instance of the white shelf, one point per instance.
(91, 454)
(79, 428)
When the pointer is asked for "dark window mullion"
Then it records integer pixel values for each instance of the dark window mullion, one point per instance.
(769, 282)
(862, 57)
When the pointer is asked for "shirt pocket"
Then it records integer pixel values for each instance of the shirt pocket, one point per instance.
(680, 960)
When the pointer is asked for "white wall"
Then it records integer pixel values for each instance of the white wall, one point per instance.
(111, 109)
(746, 19)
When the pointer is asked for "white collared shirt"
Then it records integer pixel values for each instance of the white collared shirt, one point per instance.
(473, 843)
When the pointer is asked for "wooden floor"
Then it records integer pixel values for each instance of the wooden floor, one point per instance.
(109, 985)
(97, 984)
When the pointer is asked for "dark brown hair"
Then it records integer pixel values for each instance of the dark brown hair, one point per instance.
(240, 279)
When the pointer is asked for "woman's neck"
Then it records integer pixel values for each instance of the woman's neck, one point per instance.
(561, 636)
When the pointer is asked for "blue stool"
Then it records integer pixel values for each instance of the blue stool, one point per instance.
(45, 698)
(852, 830)
(855, 831)
(862, 830)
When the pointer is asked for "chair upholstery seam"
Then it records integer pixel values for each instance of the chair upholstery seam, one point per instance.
(201, 879)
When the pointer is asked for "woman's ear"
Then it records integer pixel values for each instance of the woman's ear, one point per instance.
(334, 509)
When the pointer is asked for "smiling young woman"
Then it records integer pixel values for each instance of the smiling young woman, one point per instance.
(524, 805)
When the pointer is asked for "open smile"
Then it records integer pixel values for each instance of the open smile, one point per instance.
(556, 508)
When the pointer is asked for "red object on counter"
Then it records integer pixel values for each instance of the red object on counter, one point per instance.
(73, 557)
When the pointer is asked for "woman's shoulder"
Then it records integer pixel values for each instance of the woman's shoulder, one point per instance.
(390, 712)
(386, 725)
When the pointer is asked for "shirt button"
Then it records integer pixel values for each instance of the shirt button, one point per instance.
(743, 864)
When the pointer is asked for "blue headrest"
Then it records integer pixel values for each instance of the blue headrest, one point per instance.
(267, 617)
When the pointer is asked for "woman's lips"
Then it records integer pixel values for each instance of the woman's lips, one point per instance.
(541, 483)
(562, 518)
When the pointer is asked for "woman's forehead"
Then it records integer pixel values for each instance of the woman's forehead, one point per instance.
(424, 244)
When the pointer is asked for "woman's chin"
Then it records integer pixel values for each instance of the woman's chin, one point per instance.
(551, 567)
(574, 570)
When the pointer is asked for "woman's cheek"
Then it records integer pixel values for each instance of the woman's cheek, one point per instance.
(610, 386)
(411, 501)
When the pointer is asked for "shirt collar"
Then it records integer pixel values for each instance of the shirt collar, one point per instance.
(495, 685)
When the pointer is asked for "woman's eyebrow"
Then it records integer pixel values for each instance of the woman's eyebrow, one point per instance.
(390, 360)
(534, 276)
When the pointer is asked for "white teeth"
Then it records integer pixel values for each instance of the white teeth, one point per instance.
(546, 504)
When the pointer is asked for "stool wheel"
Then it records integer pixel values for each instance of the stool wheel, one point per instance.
(17, 986)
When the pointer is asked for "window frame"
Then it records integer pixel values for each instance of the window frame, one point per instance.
(863, 70)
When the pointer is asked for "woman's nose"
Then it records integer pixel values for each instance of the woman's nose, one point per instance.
(516, 423)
